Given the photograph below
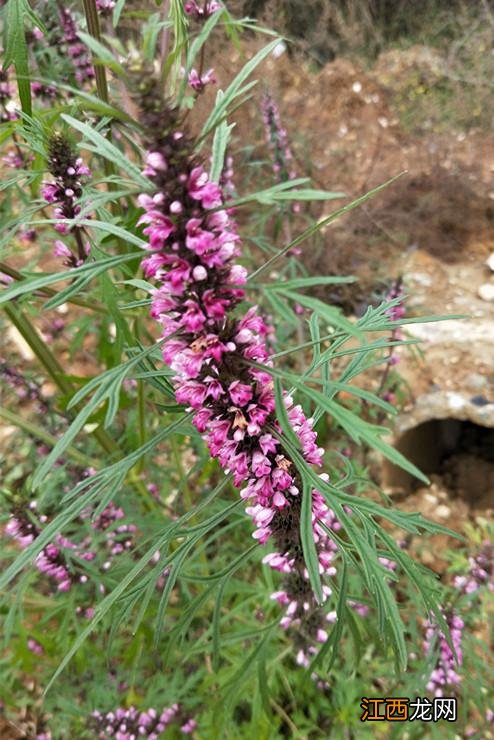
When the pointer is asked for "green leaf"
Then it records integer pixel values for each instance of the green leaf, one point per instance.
(320, 224)
(306, 530)
(109, 151)
(235, 89)
(307, 537)
(16, 51)
(101, 53)
(87, 271)
(307, 194)
(220, 143)
(117, 12)
(308, 282)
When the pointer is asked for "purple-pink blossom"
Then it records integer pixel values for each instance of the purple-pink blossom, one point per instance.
(481, 571)
(76, 50)
(59, 559)
(105, 7)
(129, 724)
(199, 81)
(63, 193)
(202, 10)
(34, 646)
(444, 677)
(221, 368)
(279, 148)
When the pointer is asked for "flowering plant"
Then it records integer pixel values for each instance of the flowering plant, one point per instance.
(186, 414)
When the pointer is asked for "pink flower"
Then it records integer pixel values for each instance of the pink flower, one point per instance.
(198, 83)
(201, 11)
(240, 393)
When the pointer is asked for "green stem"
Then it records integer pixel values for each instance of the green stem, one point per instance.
(92, 20)
(141, 417)
(52, 366)
(38, 346)
(43, 436)
(141, 407)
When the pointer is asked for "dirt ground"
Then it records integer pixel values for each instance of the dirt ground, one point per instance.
(433, 226)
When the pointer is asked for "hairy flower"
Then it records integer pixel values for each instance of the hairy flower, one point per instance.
(277, 141)
(45, 92)
(481, 571)
(202, 10)
(34, 646)
(63, 192)
(26, 388)
(76, 50)
(221, 366)
(129, 724)
(199, 81)
(105, 7)
(444, 677)
(60, 560)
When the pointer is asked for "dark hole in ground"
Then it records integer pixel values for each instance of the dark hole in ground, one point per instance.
(461, 453)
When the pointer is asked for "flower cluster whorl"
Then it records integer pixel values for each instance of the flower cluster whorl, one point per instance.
(481, 572)
(63, 192)
(444, 676)
(58, 559)
(277, 140)
(51, 561)
(202, 10)
(76, 50)
(105, 7)
(221, 363)
(129, 724)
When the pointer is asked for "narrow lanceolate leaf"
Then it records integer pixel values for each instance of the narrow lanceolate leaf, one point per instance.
(101, 52)
(235, 89)
(220, 143)
(16, 51)
(107, 391)
(308, 282)
(325, 221)
(307, 538)
(109, 151)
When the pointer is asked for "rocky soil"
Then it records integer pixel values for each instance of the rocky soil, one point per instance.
(434, 226)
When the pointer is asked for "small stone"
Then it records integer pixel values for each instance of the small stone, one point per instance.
(486, 292)
(480, 401)
(476, 381)
(490, 261)
(443, 511)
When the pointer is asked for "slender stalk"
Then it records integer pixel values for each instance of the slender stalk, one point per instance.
(35, 431)
(92, 20)
(52, 366)
(285, 717)
(141, 420)
(38, 346)
(165, 36)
